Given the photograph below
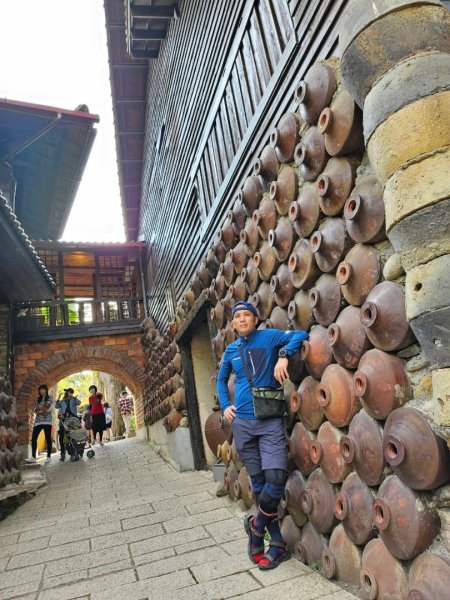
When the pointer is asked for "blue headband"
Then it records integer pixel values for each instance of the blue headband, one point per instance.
(244, 306)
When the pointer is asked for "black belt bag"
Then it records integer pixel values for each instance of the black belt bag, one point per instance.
(268, 402)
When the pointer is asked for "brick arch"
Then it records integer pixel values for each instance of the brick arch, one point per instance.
(60, 363)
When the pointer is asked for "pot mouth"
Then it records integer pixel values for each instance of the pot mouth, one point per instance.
(347, 448)
(274, 137)
(301, 91)
(300, 153)
(352, 207)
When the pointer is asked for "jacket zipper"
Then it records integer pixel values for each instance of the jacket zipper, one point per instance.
(251, 360)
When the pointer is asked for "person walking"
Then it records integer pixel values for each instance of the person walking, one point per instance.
(97, 414)
(43, 408)
(109, 415)
(125, 406)
(67, 409)
(259, 359)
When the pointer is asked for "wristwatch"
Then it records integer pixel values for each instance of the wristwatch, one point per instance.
(282, 353)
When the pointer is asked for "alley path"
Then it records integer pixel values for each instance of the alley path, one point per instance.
(126, 525)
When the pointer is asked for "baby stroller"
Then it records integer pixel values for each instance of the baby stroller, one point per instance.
(76, 439)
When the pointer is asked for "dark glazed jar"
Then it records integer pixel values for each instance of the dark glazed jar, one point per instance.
(362, 447)
(237, 216)
(219, 287)
(267, 165)
(315, 91)
(304, 403)
(329, 243)
(295, 485)
(281, 286)
(325, 452)
(429, 577)
(309, 549)
(299, 449)
(226, 269)
(358, 273)
(299, 312)
(310, 154)
(404, 518)
(382, 575)
(285, 136)
(364, 212)
(316, 352)
(263, 300)
(347, 338)
(218, 314)
(305, 211)
(302, 265)
(250, 276)
(251, 194)
(227, 235)
(281, 239)
(381, 395)
(342, 559)
(317, 502)
(249, 236)
(384, 317)
(213, 430)
(238, 257)
(278, 319)
(284, 190)
(335, 185)
(325, 299)
(265, 261)
(353, 506)
(238, 290)
(265, 217)
(336, 397)
(290, 532)
(416, 454)
(341, 125)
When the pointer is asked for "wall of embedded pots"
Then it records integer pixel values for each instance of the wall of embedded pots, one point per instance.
(10, 456)
(306, 242)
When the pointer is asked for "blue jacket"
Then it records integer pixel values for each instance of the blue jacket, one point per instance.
(260, 350)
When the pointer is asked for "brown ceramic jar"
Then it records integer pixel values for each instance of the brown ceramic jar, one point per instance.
(429, 577)
(295, 485)
(299, 443)
(263, 300)
(290, 532)
(299, 312)
(243, 488)
(237, 216)
(284, 191)
(250, 276)
(305, 211)
(302, 265)
(281, 239)
(353, 506)
(285, 136)
(358, 273)
(341, 124)
(329, 244)
(265, 217)
(227, 235)
(278, 319)
(249, 236)
(251, 194)
(382, 575)
(281, 286)
(304, 403)
(317, 501)
(325, 299)
(347, 338)
(238, 257)
(335, 184)
(316, 352)
(267, 165)
(309, 549)
(310, 154)
(336, 397)
(342, 558)
(325, 452)
(265, 261)
(364, 212)
(315, 91)
(218, 314)
(227, 271)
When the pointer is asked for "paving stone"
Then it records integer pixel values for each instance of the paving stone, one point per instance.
(135, 511)
(219, 589)
(157, 588)
(143, 559)
(88, 586)
(24, 547)
(19, 576)
(19, 590)
(215, 516)
(114, 567)
(226, 531)
(125, 537)
(165, 541)
(38, 556)
(152, 518)
(184, 561)
(230, 565)
(84, 561)
(189, 546)
(7, 540)
(85, 533)
(65, 578)
(307, 587)
(201, 507)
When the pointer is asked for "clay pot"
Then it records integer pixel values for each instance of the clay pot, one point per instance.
(284, 191)
(265, 217)
(291, 533)
(309, 549)
(302, 265)
(359, 273)
(219, 287)
(213, 431)
(305, 211)
(243, 488)
(325, 452)
(342, 558)
(315, 91)
(218, 314)
(263, 300)
(218, 249)
(341, 125)
(299, 443)
(381, 395)
(325, 299)
(238, 256)
(286, 136)
(238, 290)
(299, 312)
(329, 243)
(316, 352)
(249, 236)
(296, 368)
(310, 154)
(353, 506)
(335, 184)
(295, 485)
(230, 478)
(281, 239)
(265, 261)
(362, 447)
(281, 286)
(278, 319)
(173, 419)
(317, 501)
(267, 165)
(227, 235)
(237, 216)
(429, 577)
(364, 212)
(336, 397)
(250, 276)
(347, 338)
(383, 577)
(251, 194)
(228, 302)
(416, 454)
(179, 399)
(304, 403)
(406, 523)
(384, 317)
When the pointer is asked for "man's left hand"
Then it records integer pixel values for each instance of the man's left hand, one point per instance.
(280, 372)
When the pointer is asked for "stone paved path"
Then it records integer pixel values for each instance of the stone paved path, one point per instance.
(126, 525)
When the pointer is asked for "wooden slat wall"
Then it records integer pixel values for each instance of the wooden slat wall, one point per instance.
(204, 130)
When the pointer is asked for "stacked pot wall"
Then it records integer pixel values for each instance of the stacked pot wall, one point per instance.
(10, 456)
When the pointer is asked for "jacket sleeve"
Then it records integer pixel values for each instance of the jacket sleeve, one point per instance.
(290, 340)
(222, 382)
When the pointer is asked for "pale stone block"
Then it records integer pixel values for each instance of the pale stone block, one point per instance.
(441, 396)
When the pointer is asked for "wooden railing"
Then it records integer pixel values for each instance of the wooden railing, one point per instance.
(36, 315)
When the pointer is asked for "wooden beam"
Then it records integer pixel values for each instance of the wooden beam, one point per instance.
(144, 53)
(154, 12)
(148, 34)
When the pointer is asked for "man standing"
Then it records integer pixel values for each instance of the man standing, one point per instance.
(67, 409)
(259, 360)
(125, 406)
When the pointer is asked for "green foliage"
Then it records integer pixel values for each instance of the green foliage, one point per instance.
(314, 566)
(80, 382)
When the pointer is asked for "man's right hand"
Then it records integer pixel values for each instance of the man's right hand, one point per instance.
(228, 413)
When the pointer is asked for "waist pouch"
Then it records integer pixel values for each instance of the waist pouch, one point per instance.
(268, 402)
